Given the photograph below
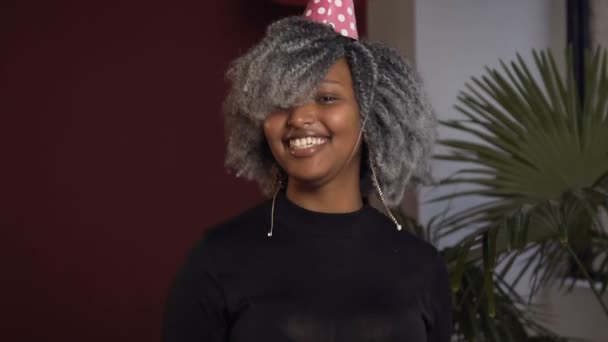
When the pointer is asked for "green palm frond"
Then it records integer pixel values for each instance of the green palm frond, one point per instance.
(512, 320)
(530, 132)
(539, 156)
(507, 319)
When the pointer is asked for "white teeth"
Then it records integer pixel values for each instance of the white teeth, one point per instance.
(306, 142)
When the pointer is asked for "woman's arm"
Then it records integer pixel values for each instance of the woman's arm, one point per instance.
(441, 303)
(195, 308)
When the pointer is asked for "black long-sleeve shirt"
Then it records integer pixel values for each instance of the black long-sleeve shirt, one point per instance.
(320, 277)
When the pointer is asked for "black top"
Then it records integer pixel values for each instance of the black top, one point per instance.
(320, 277)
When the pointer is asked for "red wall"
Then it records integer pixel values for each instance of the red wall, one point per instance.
(111, 164)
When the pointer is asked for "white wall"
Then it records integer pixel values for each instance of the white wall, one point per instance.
(599, 24)
(456, 39)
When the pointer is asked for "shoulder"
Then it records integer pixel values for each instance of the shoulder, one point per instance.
(250, 223)
(414, 250)
(424, 255)
(245, 227)
(403, 238)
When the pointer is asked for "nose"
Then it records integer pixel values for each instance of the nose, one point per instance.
(300, 116)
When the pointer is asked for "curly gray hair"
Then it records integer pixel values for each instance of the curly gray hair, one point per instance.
(286, 67)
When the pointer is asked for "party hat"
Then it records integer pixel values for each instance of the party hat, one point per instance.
(339, 14)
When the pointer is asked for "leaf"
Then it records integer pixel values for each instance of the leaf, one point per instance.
(536, 155)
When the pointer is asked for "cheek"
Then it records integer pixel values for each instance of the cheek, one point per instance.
(273, 128)
(344, 121)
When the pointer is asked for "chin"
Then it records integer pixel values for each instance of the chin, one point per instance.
(312, 178)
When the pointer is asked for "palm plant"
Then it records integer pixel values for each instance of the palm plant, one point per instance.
(512, 321)
(539, 158)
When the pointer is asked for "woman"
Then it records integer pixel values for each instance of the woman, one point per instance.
(318, 118)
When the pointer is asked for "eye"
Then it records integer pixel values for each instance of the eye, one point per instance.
(326, 99)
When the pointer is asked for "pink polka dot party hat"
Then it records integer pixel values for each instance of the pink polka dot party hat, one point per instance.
(339, 14)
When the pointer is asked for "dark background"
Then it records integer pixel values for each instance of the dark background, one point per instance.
(111, 156)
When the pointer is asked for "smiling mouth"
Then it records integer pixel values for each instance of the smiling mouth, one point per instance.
(306, 142)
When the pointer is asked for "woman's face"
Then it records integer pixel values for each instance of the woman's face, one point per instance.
(314, 143)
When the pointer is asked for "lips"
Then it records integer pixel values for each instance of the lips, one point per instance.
(305, 146)
(305, 143)
(307, 150)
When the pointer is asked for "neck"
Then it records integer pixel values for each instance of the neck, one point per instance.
(338, 196)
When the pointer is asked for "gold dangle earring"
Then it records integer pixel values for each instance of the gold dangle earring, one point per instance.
(377, 185)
